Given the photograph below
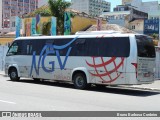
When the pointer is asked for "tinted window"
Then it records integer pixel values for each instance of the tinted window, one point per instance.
(145, 46)
(101, 47)
(98, 47)
(109, 47)
(15, 48)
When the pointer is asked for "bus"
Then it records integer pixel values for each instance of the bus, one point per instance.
(100, 59)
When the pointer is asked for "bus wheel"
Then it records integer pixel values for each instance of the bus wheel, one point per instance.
(13, 75)
(79, 80)
(36, 79)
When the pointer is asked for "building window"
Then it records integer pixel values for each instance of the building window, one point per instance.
(13, 24)
(133, 27)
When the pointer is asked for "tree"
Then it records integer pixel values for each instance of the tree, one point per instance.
(57, 9)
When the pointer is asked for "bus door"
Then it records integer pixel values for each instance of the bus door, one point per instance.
(146, 59)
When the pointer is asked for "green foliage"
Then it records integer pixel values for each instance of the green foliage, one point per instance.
(57, 8)
(155, 36)
(43, 11)
(46, 28)
(54, 8)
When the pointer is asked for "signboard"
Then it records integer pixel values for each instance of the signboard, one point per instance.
(53, 25)
(18, 26)
(33, 26)
(151, 26)
(67, 23)
(99, 24)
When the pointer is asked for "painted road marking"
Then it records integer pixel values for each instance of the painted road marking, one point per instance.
(7, 102)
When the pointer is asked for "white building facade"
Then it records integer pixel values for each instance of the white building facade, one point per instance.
(116, 17)
(42, 2)
(0, 13)
(91, 7)
(145, 6)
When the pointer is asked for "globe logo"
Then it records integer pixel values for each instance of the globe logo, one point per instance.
(107, 69)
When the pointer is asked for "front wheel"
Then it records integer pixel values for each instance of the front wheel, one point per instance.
(80, 81)
(13, 75)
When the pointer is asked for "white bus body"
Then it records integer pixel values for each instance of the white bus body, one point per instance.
(109, 59)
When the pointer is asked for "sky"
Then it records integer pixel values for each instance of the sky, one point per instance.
(119, 2)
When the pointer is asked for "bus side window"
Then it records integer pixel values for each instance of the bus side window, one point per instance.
(50, 42)
(26, 47)
(14, 49)
(29, 49)
(80, 47)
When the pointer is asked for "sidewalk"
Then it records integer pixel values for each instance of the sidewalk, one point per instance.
(154, 86)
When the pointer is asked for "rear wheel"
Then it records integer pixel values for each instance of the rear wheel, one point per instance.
(13, 74)
(80, 81)
(36, 79)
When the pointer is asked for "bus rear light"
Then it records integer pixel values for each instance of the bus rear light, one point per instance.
(136, 66)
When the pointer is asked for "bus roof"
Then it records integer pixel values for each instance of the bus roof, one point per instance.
(79, 36)
(97, 32)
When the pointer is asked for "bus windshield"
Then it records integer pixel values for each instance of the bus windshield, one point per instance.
(145, 46)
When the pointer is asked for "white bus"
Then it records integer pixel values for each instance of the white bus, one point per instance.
(108, 59)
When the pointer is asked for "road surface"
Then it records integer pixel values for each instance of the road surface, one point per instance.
(27, 95)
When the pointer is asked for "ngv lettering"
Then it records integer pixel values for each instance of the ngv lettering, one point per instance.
(47, 50)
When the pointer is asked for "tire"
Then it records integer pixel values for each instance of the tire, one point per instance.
(100, 86)
(80, 81)
(13, 74)
(36, 79)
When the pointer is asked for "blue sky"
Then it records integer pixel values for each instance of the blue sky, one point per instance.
(119, 2)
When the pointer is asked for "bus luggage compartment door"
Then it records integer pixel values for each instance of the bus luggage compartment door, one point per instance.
(145, 70)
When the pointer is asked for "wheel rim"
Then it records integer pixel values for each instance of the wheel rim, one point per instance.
(13, 74)
(79, 81)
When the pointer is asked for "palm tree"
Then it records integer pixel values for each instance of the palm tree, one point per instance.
(57, 8)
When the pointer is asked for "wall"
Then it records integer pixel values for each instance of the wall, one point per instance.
(42, 2)
(3, 51)
(126, 1)
(139, 26)
(157, 72)
(4, 41)
(0, 14)
(120, 22)
(150, 6)
(81, 5)
(80, 22)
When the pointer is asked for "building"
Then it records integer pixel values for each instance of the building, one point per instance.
(0, 14)
(141, 6)
(124, 2)
(91, 7)
(137, 26)
(121, 8)
(11, 8)
(42, 2)
(116, 17)
(154, 15)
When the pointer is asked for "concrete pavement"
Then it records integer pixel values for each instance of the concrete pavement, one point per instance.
(154, 86)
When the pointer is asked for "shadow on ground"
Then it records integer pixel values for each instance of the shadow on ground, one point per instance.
(103, 89)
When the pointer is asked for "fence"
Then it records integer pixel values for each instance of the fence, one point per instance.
(157, 72)
(3, 51)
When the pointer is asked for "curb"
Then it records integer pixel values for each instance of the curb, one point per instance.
(139, 88)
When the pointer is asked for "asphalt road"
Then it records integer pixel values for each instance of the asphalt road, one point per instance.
(27, 95)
